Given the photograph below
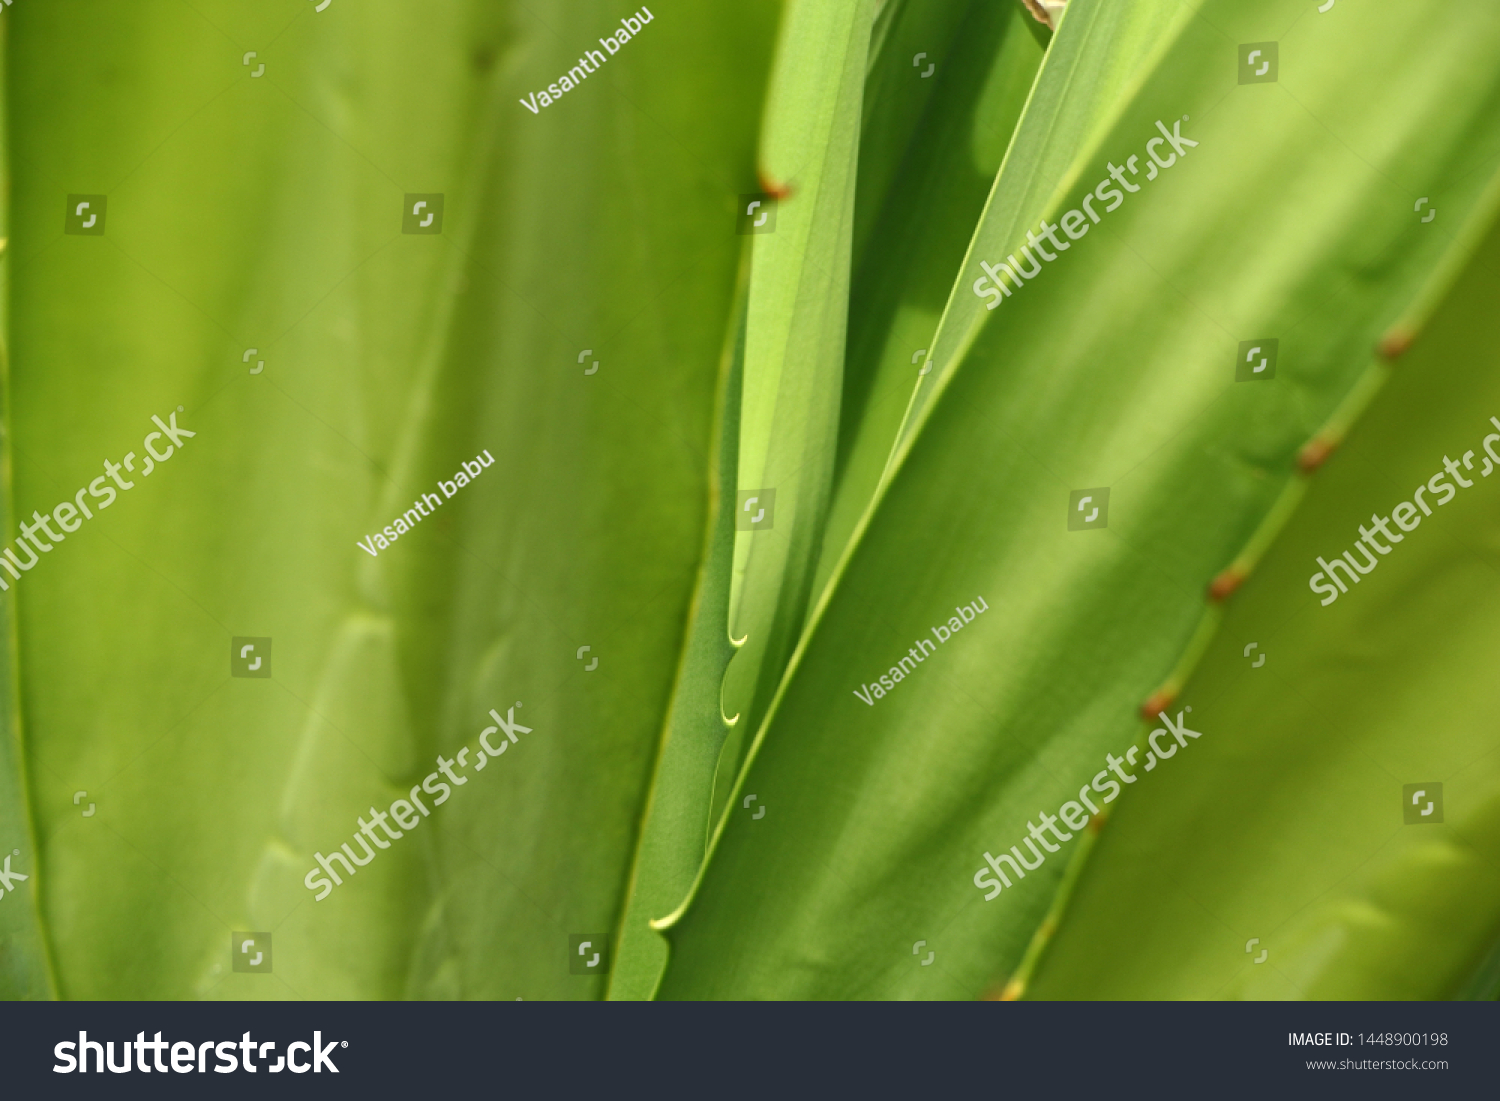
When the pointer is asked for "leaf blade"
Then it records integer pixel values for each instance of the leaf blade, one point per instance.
(882, 831)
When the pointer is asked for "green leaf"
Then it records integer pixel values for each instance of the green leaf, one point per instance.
(905, 271)
(794, 347)
(784, 410)
(266, 212)
(674, 833)
(25, 970)
(1292, 218)
(1287, 824)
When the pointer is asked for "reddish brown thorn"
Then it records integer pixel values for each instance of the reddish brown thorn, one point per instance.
(1315, 453)
(1096, 824)
(777, 191)
(1395, 342)
(1223, 586)
(1160, 700)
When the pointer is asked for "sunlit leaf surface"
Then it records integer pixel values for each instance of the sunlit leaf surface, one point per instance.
(1292, 218)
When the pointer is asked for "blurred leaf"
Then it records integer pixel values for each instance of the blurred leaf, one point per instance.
(1286, 825)
(1292, 218)
(24, 966)
(266, 212)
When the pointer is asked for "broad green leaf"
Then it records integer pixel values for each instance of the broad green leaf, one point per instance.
(266, 212)
(1292, 218)
(1287, 825)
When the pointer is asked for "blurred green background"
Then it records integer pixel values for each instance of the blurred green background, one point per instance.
(924, 450)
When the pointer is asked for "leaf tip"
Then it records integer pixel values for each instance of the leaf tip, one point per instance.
(1012, 991)
(1046, 11)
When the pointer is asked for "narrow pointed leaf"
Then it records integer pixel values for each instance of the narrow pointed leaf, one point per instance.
(675, 828)
(794, 348)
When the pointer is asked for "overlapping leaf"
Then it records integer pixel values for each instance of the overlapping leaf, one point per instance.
(788, 359)
(794, 347)
(918, 230)
(1291, 219)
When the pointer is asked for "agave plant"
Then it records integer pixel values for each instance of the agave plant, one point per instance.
(821, 500)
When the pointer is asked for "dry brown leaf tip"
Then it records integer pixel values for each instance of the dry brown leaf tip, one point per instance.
(1046, 11)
